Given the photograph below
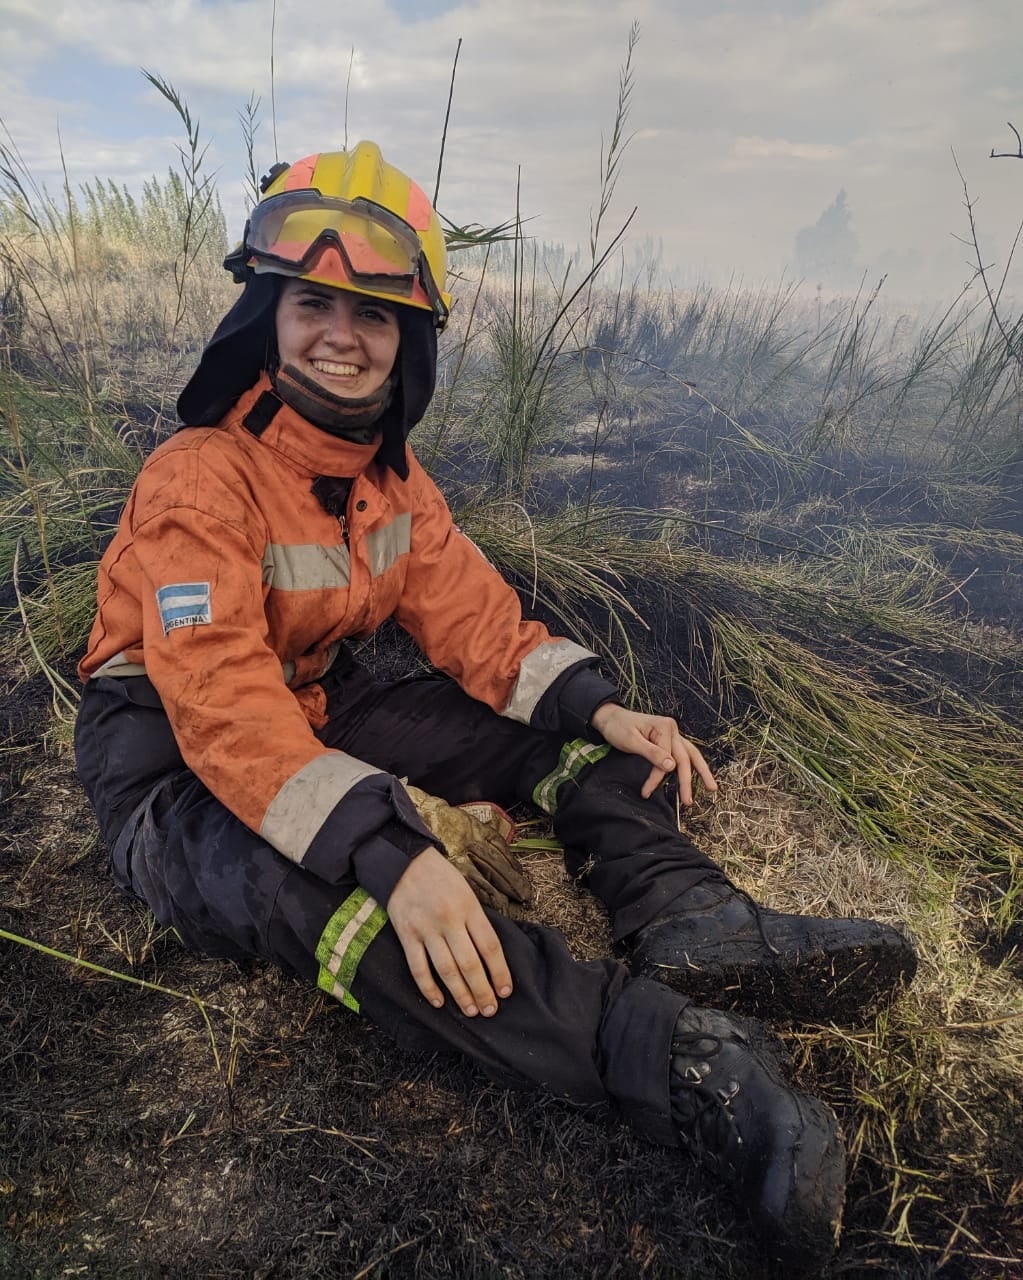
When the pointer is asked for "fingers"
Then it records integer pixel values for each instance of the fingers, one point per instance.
(656, 739)
(446, 935)
(683, 771)
(489, 956)
(669, 752)
(703, 769)
(474, 973)
(472, 967)
(419, 966)
(688, 759)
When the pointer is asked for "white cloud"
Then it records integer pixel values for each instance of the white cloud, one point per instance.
(773, 149)
(749, 115)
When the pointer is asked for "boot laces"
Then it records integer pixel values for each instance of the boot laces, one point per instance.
(754, 906)
(710, 1103)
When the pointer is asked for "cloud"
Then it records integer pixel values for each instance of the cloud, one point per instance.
(774, 149)
(748, 114)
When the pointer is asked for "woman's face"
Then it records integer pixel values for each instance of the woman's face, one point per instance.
(345, 341)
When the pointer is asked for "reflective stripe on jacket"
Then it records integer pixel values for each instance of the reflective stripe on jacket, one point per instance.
(231, 587)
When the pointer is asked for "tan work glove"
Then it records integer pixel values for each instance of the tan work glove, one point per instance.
(476, 838)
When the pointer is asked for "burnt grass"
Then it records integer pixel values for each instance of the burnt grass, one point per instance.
(277, 1136)
(287, 1137)
(281, 1136)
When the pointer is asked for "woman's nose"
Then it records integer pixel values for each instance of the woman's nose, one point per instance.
(341, 330)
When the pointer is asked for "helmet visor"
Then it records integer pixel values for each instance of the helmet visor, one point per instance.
(378, 248)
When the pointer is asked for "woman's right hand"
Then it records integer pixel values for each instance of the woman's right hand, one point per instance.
(440, 923)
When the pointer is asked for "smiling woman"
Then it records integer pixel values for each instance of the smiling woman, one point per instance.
(268, 797)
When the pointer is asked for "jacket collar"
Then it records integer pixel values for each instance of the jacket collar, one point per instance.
(262, 413)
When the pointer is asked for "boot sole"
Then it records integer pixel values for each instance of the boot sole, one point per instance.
(830, 982)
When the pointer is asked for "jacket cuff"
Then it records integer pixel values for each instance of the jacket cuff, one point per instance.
(380, 863)
(375, 822)
(570, 702)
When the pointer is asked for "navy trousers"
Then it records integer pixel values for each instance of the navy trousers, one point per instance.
(583, 1031)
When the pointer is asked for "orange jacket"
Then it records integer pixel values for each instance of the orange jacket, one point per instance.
(230, 586)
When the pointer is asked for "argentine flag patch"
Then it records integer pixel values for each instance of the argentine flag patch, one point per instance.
(186, 604)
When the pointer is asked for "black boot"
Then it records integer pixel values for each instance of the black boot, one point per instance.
(726, 949)
(778, 1150)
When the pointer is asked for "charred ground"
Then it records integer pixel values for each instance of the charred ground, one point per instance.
(273, 1134)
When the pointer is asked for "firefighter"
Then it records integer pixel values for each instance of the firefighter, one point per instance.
(268, 797)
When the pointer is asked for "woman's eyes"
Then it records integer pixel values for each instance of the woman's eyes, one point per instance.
(368, 312)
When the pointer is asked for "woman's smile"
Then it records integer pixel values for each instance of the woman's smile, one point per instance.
(333, 370)
(345, 341)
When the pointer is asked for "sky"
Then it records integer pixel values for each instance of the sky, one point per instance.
(746, 118)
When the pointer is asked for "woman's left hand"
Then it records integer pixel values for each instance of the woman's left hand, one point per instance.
(658, 740)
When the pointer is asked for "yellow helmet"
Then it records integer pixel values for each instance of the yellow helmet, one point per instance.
(351, 220)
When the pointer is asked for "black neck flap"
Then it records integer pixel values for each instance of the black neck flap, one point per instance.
(245, 344)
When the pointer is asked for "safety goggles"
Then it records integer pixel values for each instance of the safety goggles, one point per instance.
(379, 250)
